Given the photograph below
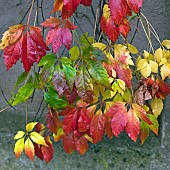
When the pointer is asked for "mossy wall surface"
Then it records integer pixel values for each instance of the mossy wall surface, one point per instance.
(119, 153)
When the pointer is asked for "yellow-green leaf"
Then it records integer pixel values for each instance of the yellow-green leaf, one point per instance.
(154, 66)
(146, 71)
(121, 84)
(157, 106)
(30, 126)
(38, 139)
(19, 135)
(19, 147)
(74, 52)
(132, 49)
(142, 63)
(166, 43)
(158, 55)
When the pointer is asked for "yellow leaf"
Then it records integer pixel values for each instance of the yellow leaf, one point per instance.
(106, 11)
(101, 46)
(154, 66)
(121, 84)
(166, 53)
(19, 147)
(30, 126)
(90, 139)
(129, 61)
(106, 95)
(132, 49)
(166, 43)
(163, 61)
(59, 135)
(37, 138)
(146, 71)
(142, 63)
(29, 149)
(158, 55)
(157, 106)
(165, 71)
(19, 135)
(118, 98)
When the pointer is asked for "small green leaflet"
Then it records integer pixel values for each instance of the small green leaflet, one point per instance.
(98, 72)
(48, 59)
(20, 79)
(23, 93)
(70, 74)
(52, 98)
(86, 40)
(74, 53)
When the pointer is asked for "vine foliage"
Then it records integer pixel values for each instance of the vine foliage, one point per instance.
(99, 87)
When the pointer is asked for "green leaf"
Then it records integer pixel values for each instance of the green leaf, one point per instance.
(70, 74)
(85, 40)
(144, 131)
(23, 93)
(74, 52)
(20, 79)
(48, 59)
(54, 101)
(98, 72)
(155, 126)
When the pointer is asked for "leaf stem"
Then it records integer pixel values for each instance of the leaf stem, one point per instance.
(29, 15)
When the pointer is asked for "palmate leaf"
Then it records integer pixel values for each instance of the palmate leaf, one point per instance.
(59, 33)
(30, 47)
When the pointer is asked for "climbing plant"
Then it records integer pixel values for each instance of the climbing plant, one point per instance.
(100, 86)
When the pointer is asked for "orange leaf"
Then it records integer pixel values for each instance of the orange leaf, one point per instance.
(29, 149)
(19, 147)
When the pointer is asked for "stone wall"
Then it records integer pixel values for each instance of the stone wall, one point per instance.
(119, 153)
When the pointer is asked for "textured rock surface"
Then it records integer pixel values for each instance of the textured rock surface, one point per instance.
(117, 154)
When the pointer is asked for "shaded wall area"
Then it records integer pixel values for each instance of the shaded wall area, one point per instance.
(119, 153)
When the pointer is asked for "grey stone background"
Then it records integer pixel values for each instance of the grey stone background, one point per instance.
(119, 153)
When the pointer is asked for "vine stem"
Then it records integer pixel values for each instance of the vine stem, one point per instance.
(26, 113)
(29, 15)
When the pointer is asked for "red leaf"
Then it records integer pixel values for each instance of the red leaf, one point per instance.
(69, 8)
(70, 121)
(133, 125)
(140, 112)
(97, 128)
(84, 120)
(48, 152)
(108, 128)
(135, 5)
(118, 9)
(124, 28)
(164, 89)
(68, 143)
(123, 73)
(52, 121)
(59, 33)
(38, 151)
(86, 2)
(80, 143)
(119, 121)
(13, 53)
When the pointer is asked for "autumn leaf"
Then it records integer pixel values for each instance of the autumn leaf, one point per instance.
(30, 126)
(58, 5)
(157, 106)
(48, 152)
(155, 125)
(68, 143)
(133, 125)
(70, 120)
(144, 131)
(37, 138)
(20, 134)
(97, 128)
(135, 5)
(59, 33)
(19, 147)
(29, 149)
(29, 46)
(52, 121)
(80, 143)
